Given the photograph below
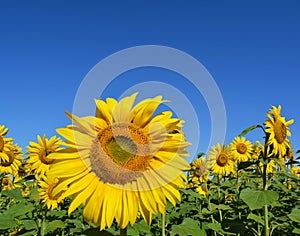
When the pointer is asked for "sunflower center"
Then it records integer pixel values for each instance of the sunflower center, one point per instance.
(1, 143)
(9, 162)
(50, 190)
(222, 159)
(241, 148)
(280, 131)
(43, 157)
(5, 181)
(120, 153)
(200, 171)
(121, 149)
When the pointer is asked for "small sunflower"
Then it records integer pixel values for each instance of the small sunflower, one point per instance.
(199, 171)
(241, 149)
(123, 161)
(5, 144)
(39, 154)
(278, 131)
(46, 193)
(6, 183)
(201, 190)
(15, 157)
(221, 157)
(295, 171)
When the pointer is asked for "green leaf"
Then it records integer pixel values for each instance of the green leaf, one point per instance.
(296, 231)
(28, 233)
(244, 132)
(14, 193)
(7, 223)
(57, 214)
(96, 231)
(19, 209)
(142, 227)
(295, 215)
(244, 165)
(188, 227)
(256, 199)
(256, 218)
(53, 225)
(29, 224)
(234, 226)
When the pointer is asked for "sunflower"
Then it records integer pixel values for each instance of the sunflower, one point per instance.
(199, 171)
(39, 154)
(123, 161)
(15, 157)
(6, 183)
(295, 171)
(241, 149)
(222, 159)
(278, 130)
(258, 150)
(5, 144)
(201, 190)
(46, 192)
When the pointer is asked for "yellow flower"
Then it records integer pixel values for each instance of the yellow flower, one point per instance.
(39, 154)
(199, 170)
(121, 162)
(295, 171)
(258, 150)
(241, 149)
(15, 157)
(5, 144)
(46, 193)
(6, 183)
(278, 130)
(201, 190)
(223, 162)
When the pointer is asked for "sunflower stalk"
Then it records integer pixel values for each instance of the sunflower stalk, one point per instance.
(163, 225)
(123, 232)
(265, 187)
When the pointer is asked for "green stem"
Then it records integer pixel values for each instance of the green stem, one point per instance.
(265, 187)
(163, 225)
(123, 232)
(219, 197)
(44, 223)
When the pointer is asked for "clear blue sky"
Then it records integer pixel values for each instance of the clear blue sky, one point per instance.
(251, 48)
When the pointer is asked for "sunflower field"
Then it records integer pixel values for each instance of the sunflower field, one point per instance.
(124, 172)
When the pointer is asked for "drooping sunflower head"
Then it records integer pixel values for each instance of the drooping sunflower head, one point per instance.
(222, 159)
(13, 162)
(39, 154)
(278, 131)
(49, 199)
(241, 149)
(258, 149)
(199, 171)
(122, 161)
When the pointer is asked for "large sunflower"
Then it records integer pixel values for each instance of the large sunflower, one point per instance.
(222, 159)
(15, 157)
(278, 131)
(5, 144)
(121, 162)
(241, 149)
(38, 154)
(46, 186)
